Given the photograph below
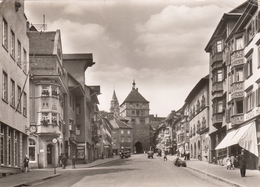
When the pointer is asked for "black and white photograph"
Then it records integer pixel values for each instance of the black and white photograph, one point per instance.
(130, 93)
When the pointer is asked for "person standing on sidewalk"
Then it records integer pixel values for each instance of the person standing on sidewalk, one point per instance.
(242, 163)
(64, 161)
(26, 163)
(165, 157)
(73, 162)
(233, 160)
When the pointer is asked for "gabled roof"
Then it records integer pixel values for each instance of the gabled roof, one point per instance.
(135, 97)
(117, 124)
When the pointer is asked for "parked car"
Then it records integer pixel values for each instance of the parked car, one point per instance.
(179, 162)
(150, 154)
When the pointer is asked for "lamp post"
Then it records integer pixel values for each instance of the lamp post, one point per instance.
(54, 141)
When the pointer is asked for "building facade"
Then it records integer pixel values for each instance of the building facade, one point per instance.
(135, 109)
(198, 120)
(14, 116)
(234, 82)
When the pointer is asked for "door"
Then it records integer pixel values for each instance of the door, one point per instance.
(49, 154)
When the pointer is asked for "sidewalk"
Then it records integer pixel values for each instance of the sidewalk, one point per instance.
(36, 175)
(233, 177)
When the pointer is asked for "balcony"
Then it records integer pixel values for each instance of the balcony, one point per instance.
(236, 56)
(217, 120)
(237, 119)
(237, 87)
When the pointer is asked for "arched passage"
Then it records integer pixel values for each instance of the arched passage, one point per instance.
(139, 147)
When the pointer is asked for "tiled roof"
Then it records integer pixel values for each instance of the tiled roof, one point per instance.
(42, 42)
(135, 96)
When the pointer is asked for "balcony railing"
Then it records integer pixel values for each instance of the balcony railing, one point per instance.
(237, 86)
(237, 119)
(236, 55)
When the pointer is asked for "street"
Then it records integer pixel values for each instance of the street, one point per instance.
(137, 171)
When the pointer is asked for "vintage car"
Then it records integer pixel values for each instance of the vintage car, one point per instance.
(150, 154)
(179, 162)
(125, 154)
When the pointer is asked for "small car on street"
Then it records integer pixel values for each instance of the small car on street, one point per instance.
(150, 154)
(179, 162)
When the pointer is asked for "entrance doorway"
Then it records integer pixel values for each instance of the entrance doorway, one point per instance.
(49, 153)
(139, 147)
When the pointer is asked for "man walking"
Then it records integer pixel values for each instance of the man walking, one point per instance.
(242, 163)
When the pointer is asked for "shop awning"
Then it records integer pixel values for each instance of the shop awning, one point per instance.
(245, 137)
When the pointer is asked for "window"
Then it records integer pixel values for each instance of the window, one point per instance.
(78, 130)
(122, 139)
(258, 96)
(219, 46)
(128, 131)
(45, 91)
(5, 34)
(77, 108)
(248, 67)
(5, 86)
(239, 43)
(19, 53)
(32, 149)
(219, 75)
(219, 106)
(2, 144)
(24, 60)
(54, 91)
(122, 131)
(24, 104)
(258, 56)
(249, 101)
(133, 112)
(12, 93)
(19, 92)
(15, 148)
(239, 75)
(12, 44)
(250, 32)
(237, 107)
(54, 118)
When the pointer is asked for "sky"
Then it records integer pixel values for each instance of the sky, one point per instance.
(158, 43)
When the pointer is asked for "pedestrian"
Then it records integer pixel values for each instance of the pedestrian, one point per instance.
(26, 163)
(73, 162)
(64, 161)
(232, 160)
(60, 162)
(165, 157)
(228, 162)
(242, 163)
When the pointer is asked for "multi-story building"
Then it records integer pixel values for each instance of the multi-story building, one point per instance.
(14, 116)
(198, 120)
(234, 84)
(135, 109)
(47, 91)
(80, 105)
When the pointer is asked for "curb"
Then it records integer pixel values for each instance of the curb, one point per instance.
(216, 177)
(38, 180)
